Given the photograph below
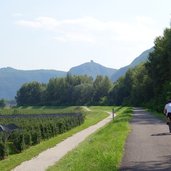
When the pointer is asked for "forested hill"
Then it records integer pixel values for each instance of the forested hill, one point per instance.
(142, 58)
(92, 69)
(12, 79)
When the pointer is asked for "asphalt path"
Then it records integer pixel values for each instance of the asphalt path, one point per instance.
(148, 146)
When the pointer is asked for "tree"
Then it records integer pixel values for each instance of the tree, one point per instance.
(30, 94)
(82, 94)
(2, 103)
(101, 87)
(159, 68)
(141, 86)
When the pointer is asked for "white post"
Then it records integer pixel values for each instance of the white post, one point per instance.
(113, 113)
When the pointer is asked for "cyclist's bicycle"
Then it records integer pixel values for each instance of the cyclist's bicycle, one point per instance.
(169, 121)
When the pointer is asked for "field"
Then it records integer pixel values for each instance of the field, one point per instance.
(91, 117)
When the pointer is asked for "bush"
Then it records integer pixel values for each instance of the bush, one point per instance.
(32, 129)
(3, 150)
(18, 141)
(27, 138)
(36, 137)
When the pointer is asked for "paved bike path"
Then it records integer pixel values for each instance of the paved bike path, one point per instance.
(148, 146)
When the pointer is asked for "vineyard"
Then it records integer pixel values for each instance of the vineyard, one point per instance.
(33, 128)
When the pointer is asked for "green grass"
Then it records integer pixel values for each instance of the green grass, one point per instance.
(39, 110)
(102, 151)
(92, 117)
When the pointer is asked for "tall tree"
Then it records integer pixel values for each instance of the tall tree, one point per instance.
(159, 68)
(101, 87)
(30, 94)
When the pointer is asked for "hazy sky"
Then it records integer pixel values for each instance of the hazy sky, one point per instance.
(59, 34)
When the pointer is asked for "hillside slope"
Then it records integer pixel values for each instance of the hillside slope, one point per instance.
(142, 58)
(92, 69)
(12, 79)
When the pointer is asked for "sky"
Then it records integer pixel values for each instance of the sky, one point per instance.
(60, 34)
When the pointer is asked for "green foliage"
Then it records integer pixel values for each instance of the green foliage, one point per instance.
(36, 137)
(159, 69)
(30, 94)
(96, 114)
(3, 150)
(71, 90)
(28, 138)
(34, 129)
(18, 141)
(101, 86)
(148, 84)
(2, 103)
(39, 110)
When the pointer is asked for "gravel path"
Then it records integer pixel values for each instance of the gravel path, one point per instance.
(148, 146)
(52, 155)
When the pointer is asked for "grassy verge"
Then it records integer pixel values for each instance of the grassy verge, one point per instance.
(39, 110)
(92, 117)
(101, 151)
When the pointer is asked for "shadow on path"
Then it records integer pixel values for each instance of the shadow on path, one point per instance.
(148, 146)
(150, 165)
(143, 117)
(161, 134)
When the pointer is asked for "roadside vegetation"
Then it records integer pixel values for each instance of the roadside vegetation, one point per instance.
(39, 110)
(102, 151)
(91, 117)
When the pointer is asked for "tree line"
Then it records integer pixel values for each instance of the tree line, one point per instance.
(148, 84)
(70, 90)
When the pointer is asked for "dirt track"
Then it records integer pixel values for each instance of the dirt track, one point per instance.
(148, 147)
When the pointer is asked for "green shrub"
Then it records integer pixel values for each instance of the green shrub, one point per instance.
(36, 137)
(27, 138)
(18, 141)
(34, 129)
(3, 150)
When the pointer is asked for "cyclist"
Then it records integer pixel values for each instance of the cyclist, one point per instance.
(167, 111)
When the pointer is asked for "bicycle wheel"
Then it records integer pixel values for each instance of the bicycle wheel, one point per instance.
(170, 127)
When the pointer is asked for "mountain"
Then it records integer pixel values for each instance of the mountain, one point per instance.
(92, 69)
(12, 79)
(141, 58)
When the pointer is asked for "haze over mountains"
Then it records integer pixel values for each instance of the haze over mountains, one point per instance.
(12, 79)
